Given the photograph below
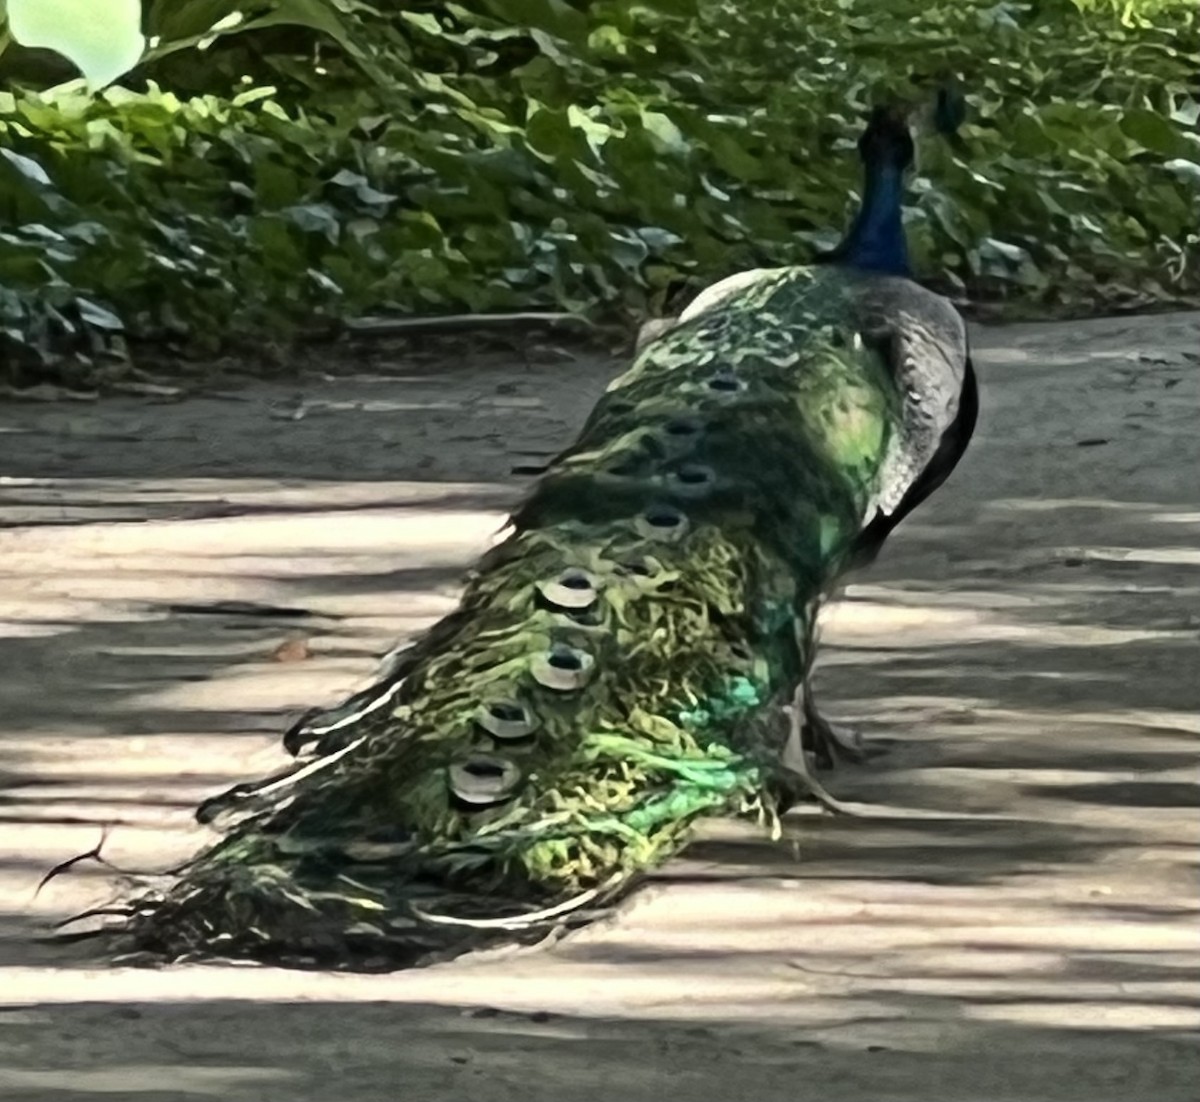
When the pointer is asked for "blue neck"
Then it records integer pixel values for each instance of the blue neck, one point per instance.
(875, 241)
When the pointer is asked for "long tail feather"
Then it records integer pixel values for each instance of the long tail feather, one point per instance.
(618, 667)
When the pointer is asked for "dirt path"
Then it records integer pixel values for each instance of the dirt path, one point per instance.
(1029, 641)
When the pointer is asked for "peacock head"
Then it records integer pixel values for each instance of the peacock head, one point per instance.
(887, 141)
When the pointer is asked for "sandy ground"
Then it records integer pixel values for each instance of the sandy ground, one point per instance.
(1027, 644)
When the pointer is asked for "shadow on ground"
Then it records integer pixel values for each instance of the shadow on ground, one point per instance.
(336, 1050)
(1025, 646)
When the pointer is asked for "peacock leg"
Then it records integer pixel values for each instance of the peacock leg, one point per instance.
(824, 741)
(810, 746)
(827, 740)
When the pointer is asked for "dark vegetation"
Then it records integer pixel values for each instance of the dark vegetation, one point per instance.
(310, 160)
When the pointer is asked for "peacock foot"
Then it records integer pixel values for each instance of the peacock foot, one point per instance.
(814, 744)
(830, 742)
(833, 741)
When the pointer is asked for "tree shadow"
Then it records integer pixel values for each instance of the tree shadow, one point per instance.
(899, 1048)
(1024, 646)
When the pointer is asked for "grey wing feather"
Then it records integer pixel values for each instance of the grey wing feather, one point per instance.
(925, 342)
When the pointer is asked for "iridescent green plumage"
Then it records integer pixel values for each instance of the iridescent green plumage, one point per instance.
(688, 560)
(618, 666)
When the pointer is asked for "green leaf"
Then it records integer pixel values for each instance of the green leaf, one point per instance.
(102, 38)
(1154, 132)
(314, 218)
(1185, 170)
(98, 316)
(27, 167)
(667, 135)
(424, 20)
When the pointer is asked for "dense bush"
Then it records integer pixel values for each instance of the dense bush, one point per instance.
(317, 158)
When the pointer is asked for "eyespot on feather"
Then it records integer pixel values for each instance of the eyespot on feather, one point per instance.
(573, 589)
(563, 669)
(482, 780)
(507, 720)
(662, 522)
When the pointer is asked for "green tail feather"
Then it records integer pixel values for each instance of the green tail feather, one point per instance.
(616, 669)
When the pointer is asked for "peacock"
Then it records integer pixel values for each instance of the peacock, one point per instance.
(632, 655)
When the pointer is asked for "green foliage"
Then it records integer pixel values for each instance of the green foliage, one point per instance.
(322, 157)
